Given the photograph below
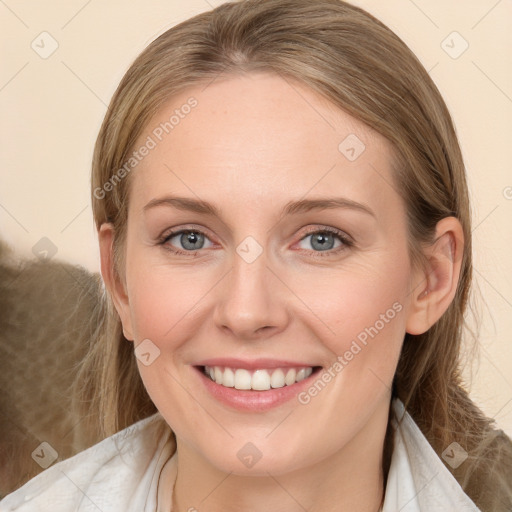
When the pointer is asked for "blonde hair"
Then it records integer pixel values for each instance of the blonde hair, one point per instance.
(350, 58)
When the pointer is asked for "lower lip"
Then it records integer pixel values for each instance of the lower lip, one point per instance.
(251, 400)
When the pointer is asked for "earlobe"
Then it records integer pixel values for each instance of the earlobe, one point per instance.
(113, 282)
(435, 286)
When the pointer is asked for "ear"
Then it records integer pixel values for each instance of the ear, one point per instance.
(435, 286)
(115, 285)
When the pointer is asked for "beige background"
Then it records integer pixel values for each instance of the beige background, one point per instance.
(52, 109)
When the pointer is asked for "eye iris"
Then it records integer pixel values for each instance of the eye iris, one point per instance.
(325, 241)
(322, 241)
(189, 238)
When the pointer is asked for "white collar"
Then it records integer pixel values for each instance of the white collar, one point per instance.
(121, 474)
(418, 480)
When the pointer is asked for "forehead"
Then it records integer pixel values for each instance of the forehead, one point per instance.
(254, 138)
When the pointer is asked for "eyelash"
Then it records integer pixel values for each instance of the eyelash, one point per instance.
(346, 241)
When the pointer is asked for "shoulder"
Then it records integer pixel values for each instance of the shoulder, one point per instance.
(418, 479)
(105, 476)
(490, 474)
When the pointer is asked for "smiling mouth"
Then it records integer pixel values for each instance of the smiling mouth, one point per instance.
(259, 379)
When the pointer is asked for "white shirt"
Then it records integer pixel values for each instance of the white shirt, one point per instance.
(121, 474)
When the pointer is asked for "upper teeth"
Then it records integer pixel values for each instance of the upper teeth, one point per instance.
(259, 380)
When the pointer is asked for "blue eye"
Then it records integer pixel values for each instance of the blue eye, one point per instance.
(323, 242)
(326, 242)
(190, 240)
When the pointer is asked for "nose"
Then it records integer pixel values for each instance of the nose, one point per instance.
(251, 301)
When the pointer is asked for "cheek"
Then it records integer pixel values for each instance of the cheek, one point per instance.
(161, 298)
(361, 314)
(352, 298)
(363, 301)
(365, 313)
(367, 310)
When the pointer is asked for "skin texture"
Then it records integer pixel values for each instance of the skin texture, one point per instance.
(252, 144)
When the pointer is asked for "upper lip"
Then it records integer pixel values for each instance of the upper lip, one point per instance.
(253, 364)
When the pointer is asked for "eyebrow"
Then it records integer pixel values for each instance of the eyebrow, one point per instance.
(293, 207)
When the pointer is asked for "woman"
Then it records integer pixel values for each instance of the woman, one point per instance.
(285, 237)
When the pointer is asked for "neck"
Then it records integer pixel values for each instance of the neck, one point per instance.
(353, 478)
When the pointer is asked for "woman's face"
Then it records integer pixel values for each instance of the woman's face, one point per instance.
(295, 265)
